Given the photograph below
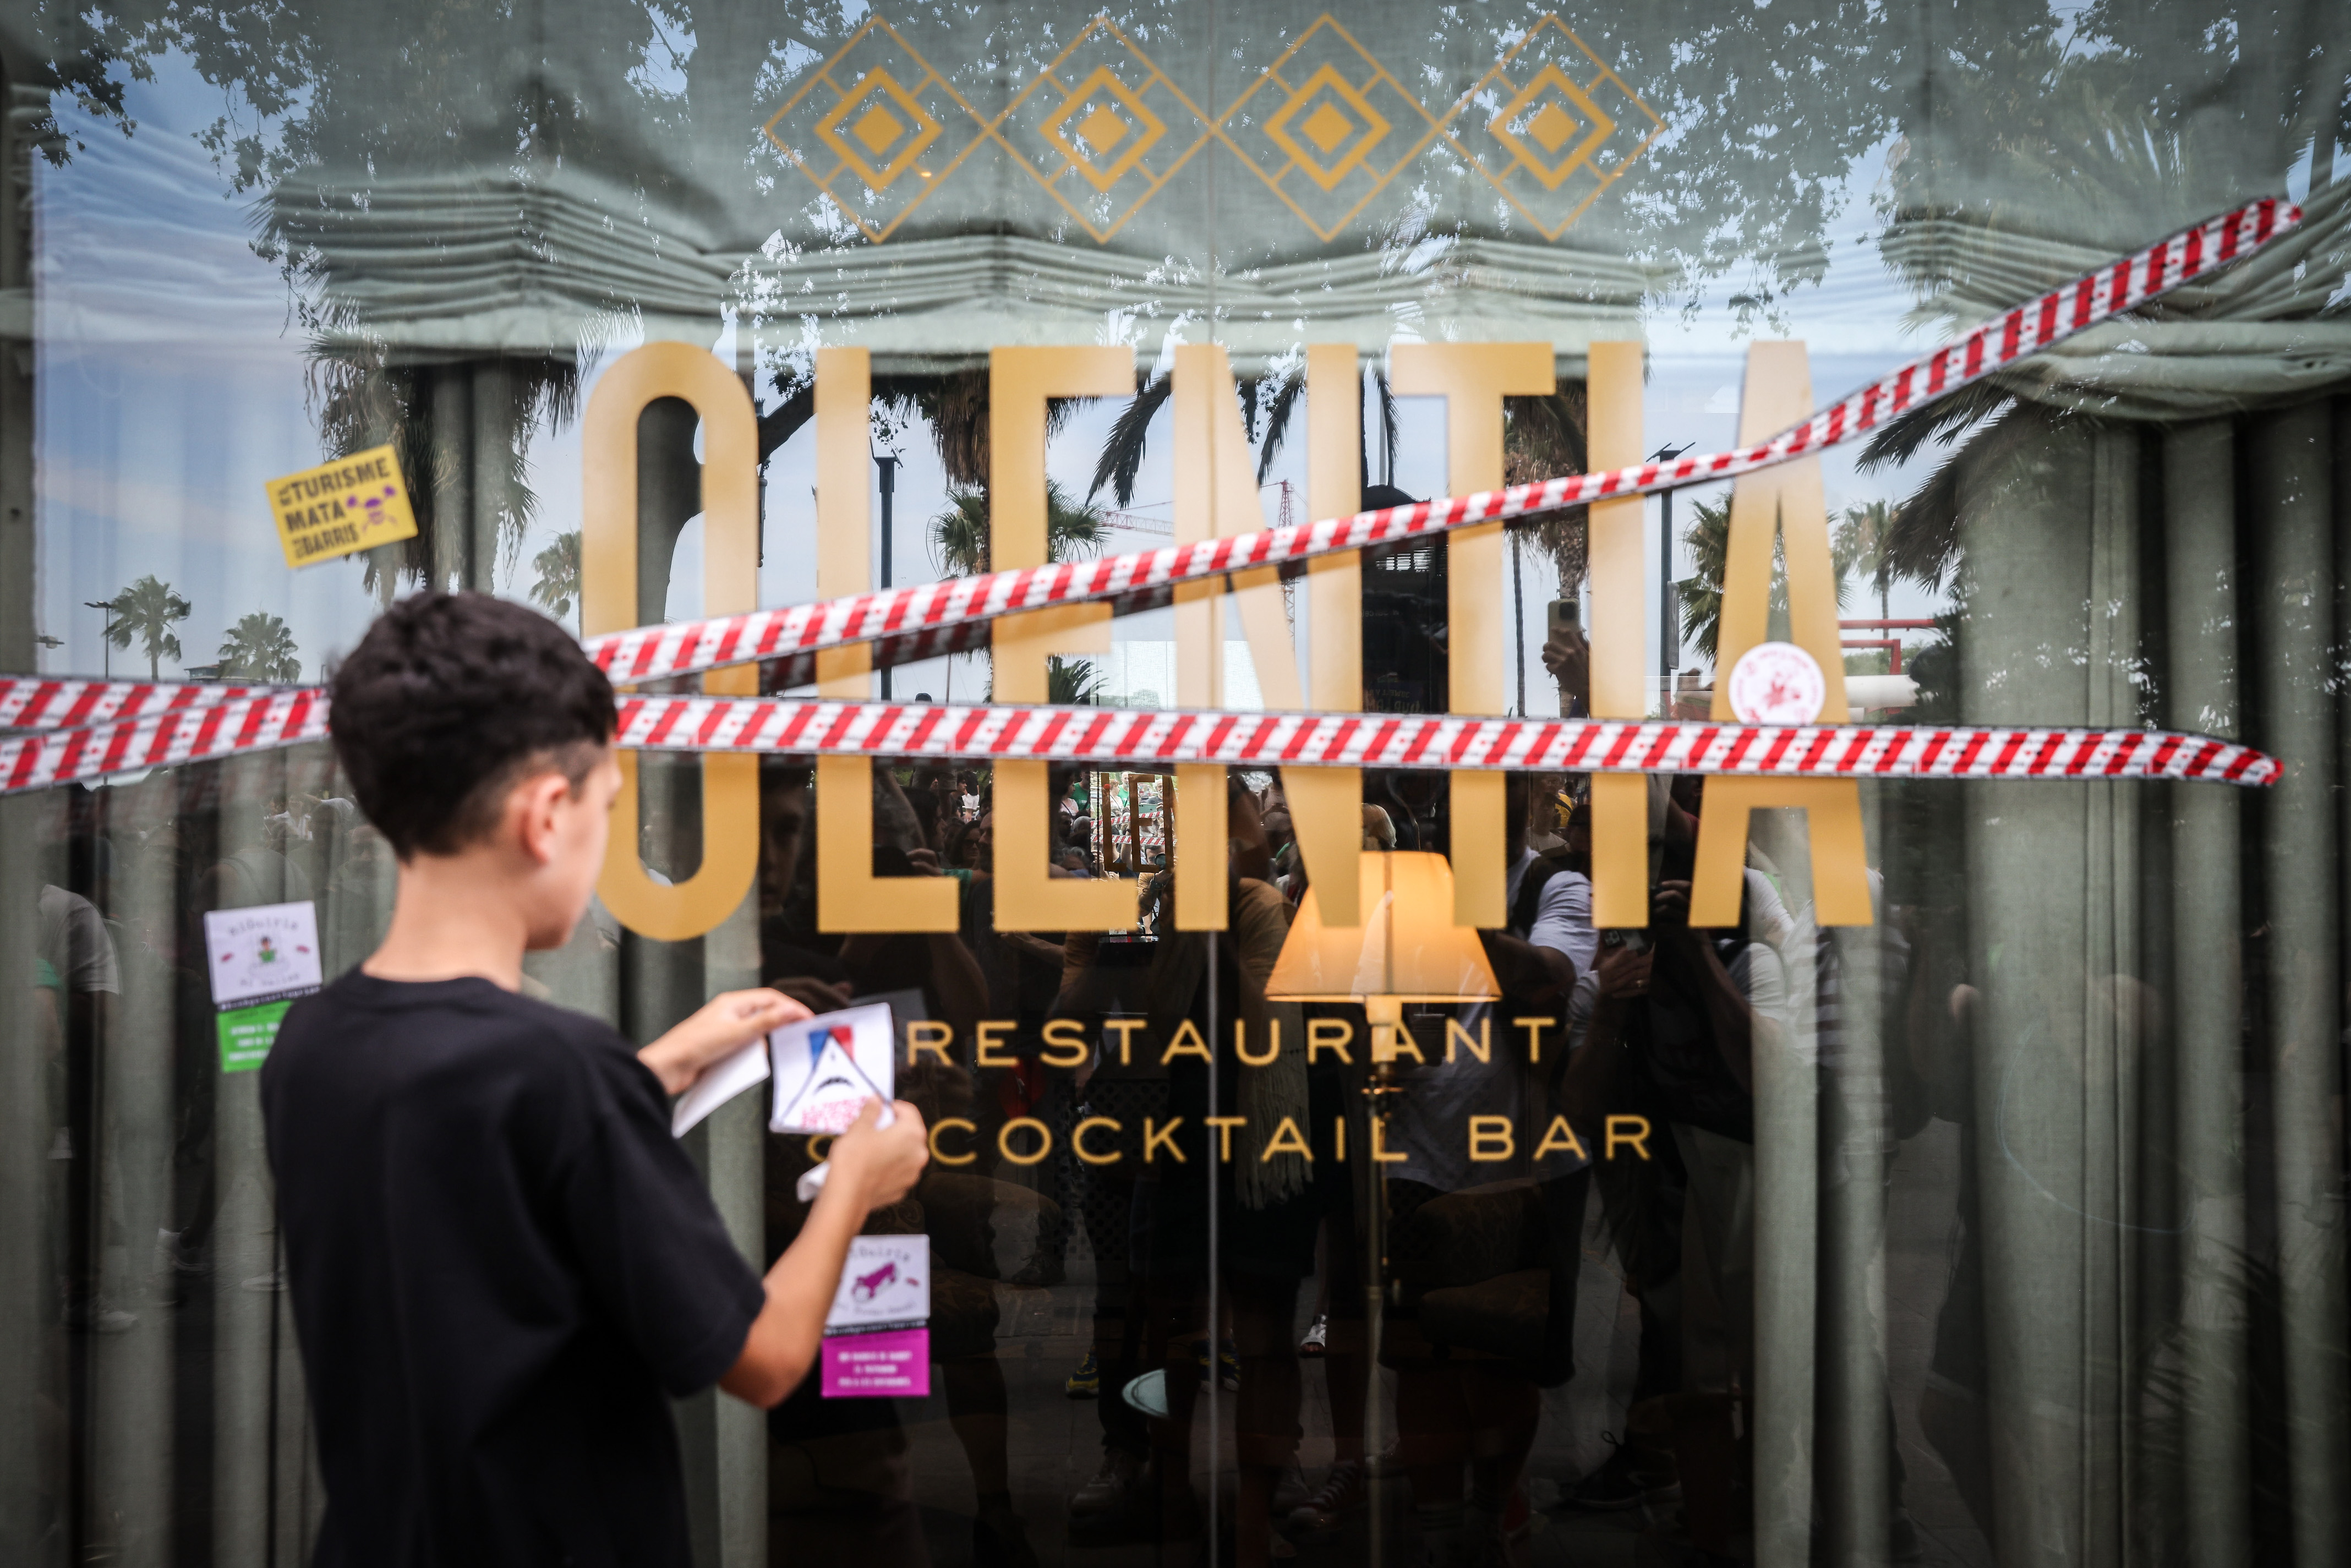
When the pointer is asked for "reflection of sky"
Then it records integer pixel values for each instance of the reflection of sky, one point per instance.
(171, 389)
(172, 386)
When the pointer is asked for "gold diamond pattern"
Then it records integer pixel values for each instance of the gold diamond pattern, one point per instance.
(871, 124)
(1551, 126)
(1112, 115)
(1332, 115)
(1326, 126)
(1536, 113)
(1102, 129)
(875, 128)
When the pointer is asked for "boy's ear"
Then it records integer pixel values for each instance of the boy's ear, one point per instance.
(532, 809)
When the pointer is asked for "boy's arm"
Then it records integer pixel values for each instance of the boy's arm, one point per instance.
(871, 1166)
(723, 1025)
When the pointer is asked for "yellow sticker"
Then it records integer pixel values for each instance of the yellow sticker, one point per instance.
(354, 503)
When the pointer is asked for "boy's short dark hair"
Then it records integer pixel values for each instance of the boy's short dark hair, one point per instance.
(446, 703)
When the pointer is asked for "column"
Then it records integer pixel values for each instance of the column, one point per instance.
(2200, 533)
(2292, 453)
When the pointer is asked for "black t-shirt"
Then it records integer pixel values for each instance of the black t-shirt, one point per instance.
(501, 1262)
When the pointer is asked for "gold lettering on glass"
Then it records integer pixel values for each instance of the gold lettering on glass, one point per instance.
(607, 581)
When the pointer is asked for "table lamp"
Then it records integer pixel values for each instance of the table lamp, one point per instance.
(1407, 951)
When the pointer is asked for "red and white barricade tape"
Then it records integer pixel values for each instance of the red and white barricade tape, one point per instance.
(649, 652)
(188, 732)
(90, 729)
(33, 702)
(1135, 738)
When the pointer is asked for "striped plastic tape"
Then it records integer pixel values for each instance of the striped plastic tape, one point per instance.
(1134, 738)
(649, 652)
(92, 729)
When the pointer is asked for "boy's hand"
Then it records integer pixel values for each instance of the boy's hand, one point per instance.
(879, 1165)
(870, 1166)
(725, 1024)
(817, 996)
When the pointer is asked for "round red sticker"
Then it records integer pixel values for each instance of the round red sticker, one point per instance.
(1777, 683)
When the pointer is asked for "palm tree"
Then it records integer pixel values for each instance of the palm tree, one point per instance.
(959, 543)
(1709, 540)
(1542, 437)
(558, 576)
(148, 610)
(1863, 543)
(1130, 435)
(259, 648)
(1071, 683)
(959, 535)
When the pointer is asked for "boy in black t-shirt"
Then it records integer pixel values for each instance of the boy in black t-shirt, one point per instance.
(503, 1267)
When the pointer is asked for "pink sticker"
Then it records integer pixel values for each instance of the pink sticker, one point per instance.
(874, 1366)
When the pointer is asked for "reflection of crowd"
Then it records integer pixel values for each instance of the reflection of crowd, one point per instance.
(1435, 1292)
(152, 858)
(1415, 1315)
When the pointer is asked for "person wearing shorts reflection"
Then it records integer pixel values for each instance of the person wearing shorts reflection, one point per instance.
(502, 1266)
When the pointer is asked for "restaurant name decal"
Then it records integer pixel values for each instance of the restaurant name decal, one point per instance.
(1028, 611)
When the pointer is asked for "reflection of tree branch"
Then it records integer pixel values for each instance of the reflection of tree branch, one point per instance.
(779, 423)
(1277, 420)
(1121, 453)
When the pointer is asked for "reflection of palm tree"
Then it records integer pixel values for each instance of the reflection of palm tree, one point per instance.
(1708, 539)
(959, 535)
(1071, 682)
(2042, 126)
(148, 610)
(1542, 437)
(1864, 543)
(366, 397)
(1130, 436)
(259, 648)
(558, 575)
(959, 542)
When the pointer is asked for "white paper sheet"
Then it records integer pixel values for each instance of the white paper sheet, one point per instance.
(720, 1081)
(811, 1180)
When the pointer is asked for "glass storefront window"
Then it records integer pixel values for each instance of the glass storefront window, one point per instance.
(1966, 1187)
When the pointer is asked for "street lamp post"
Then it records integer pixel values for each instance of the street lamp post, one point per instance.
(1669, 629)
(888, 464)
(1519, 602)
(106, 636)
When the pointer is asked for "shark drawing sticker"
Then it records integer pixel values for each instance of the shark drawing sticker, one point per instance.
(827, 1067)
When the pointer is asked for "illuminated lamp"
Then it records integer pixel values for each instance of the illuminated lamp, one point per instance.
(1407, 951)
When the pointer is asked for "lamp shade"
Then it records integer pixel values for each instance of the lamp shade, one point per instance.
(1407, 950)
